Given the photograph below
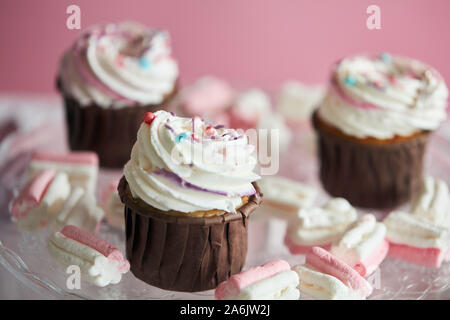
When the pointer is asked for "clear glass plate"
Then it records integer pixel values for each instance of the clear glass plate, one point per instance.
(25, 255)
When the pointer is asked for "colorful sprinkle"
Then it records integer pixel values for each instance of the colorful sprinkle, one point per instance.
(181, 137)
(349, 80)
(386, 57)
(169, 128)
(195, 137)
(149, 117)
(144, 63)
(210, 131)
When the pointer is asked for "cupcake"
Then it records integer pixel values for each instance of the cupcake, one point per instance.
(109, 78)
(373, 126)
(188, 191)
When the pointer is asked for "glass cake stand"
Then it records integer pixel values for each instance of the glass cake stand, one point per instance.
(26, 257)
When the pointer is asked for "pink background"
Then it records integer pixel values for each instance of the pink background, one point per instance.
(248, 42)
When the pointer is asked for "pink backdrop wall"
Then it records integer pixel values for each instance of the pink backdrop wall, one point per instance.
(248, 42)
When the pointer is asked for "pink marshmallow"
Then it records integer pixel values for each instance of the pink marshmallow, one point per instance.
(32, 194)
(237, 282)
(428, 257)
(326, 263)
(86, 158)
(208, 96)
(371, 263)
(96, 243)
(299, 249)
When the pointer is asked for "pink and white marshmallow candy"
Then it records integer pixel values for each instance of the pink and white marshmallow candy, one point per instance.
(416, 240)
(40, 200)
(81, 167)
(271, 281)
(324, 276)
(283, 197)
(80, 209)
(363, 246)
(99, 260)
(319, 226)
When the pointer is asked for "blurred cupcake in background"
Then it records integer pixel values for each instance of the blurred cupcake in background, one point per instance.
(373, 126)
(109, 78)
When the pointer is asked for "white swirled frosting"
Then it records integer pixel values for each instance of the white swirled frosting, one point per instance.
(116, 65)
(186, 165)
(383, 97)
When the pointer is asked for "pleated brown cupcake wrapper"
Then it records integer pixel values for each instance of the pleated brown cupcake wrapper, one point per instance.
(182, 253)
(378, 176)
(109, 132)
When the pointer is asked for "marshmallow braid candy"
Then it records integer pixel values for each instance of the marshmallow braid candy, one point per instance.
(40, 200)
(81, 167)
(416, 240)
(319, 226)
(284, 197)
(325, 277)
(272, 281)
(362, 246)
(112, 206)
(433, 202)
(100, 261)
(81, 210)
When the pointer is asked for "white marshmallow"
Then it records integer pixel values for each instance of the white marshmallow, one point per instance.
(286, 196)
(321, 226)
(52, 201)
(415, 231)
(281, 286)
(361, 239)
(433, 203)
(80, 209)
(322, 286)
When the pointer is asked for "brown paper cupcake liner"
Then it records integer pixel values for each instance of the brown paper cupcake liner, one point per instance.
(187, 254)
(111, 133)
(370, 175)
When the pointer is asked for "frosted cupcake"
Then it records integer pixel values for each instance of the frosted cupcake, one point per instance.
(188, 190)
(109, 78)
(373, 126)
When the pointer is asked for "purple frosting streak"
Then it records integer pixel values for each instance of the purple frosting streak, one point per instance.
(169, 128)
(185, 184)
